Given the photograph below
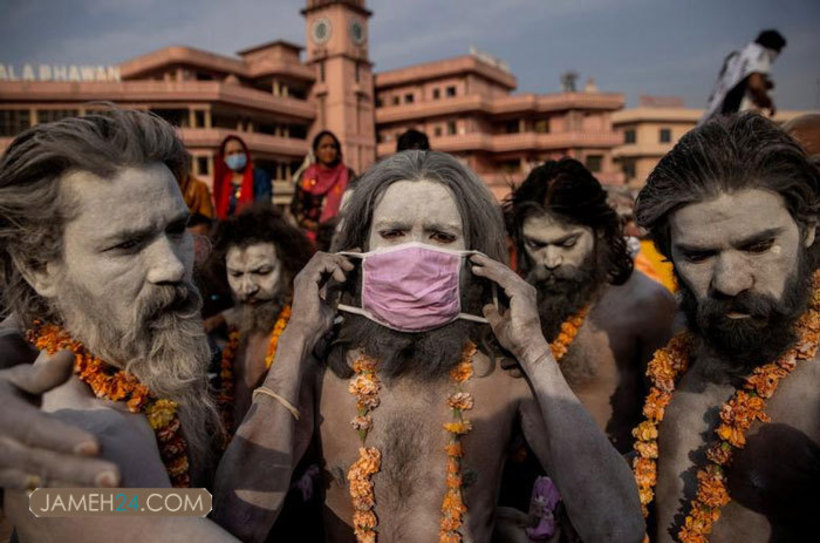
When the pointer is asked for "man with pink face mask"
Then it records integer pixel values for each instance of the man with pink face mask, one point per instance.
(391, 359)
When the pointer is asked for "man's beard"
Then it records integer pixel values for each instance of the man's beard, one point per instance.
(164, 346)
(420, 355)
(564, 291)
(424, 355)
(743, 344)
(259, 317)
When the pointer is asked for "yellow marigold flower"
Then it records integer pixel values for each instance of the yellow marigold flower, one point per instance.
(454, 449)
(645, 431)
(450, 524)
(655, 405)
(362, 422)
(459, 428)
(732, 435)
(161, 413)
(645, 472)
(646, 495)
(365, 519)
(449, 537)
(647, 449)
(453, 481)
(462, 372)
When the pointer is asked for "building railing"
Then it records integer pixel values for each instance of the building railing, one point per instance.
(523, 141)
(257, 143)
(499, 105)
(155, 93)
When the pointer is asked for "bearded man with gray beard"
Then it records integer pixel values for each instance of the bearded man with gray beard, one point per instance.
(96, 258)
(730, 450)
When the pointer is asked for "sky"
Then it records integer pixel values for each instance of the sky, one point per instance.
(636, 47)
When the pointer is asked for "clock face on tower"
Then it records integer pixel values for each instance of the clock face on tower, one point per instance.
(320, 31)
(357, 32)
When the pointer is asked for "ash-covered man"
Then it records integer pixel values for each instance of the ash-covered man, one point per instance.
(260, 254)
(95, 250)
(603, 319)
(412, 413)
(731, 447)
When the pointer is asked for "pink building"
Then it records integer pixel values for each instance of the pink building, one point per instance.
(466, 108)
(276, 100)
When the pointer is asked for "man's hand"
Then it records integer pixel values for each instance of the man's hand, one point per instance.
(37, 449)
(519, 328)
(310, 311)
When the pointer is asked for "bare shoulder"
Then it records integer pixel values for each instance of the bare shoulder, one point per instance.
(125, 438)
(641, 300)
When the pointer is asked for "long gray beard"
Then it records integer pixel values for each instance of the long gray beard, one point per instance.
(165, 348)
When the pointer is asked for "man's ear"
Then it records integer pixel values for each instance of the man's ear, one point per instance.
(811, 233)
(43, 278)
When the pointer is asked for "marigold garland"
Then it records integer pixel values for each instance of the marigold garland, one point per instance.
(569, 329)
(365, 386)
(744, 407)
(225, 399)
(453, 508)
(116, 385)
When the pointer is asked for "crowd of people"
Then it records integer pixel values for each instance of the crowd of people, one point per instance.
(398, 357)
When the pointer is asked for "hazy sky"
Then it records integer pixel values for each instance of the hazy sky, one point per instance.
(659, 47)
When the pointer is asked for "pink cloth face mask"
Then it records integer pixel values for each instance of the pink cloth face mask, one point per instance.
(412, 287)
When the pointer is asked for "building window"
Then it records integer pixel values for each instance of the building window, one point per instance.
(437, 131)
(451, 91)
(629, 135)
(594, 163)
(510, 166)
(451, 128)
(542, 126)
(629, 170)
(665, 135)
(199, 117)
(379, 101)
(408, 98)
(512, 127)
(321, 72)
(436, 93)
(202, 165)
(14, 121)
(396, 100)
(51, 115)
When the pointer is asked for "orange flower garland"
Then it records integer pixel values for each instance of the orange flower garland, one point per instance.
(737, 415)
(115, 385)
(569, 329)
(365, 387)
(453, 508)
(225, 400)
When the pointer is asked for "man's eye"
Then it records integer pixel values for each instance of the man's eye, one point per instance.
(696, 256)
(443, 237)
(391, 234)
(265, 271)
(569, 243)
(129, 245)
(760, 247)
(532, 244)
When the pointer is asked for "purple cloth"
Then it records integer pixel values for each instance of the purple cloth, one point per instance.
(545, 498)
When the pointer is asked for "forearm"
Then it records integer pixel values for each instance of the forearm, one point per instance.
(13, 346)
(595, 482)
(254, 474)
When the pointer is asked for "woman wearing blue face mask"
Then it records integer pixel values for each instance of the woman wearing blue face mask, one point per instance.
(236, 181)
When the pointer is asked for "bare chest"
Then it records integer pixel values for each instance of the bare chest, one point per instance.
(767, 481)
(408, 430)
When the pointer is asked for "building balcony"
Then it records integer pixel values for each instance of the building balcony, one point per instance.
(519, 104)
(155, 93)
(210, 138)
(521, 142)
(640, 150)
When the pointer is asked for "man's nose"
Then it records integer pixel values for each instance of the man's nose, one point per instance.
(551, 257)
(248, 287)
(165, 261)
(731, 275)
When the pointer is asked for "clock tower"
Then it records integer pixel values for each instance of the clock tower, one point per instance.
(337, 44)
